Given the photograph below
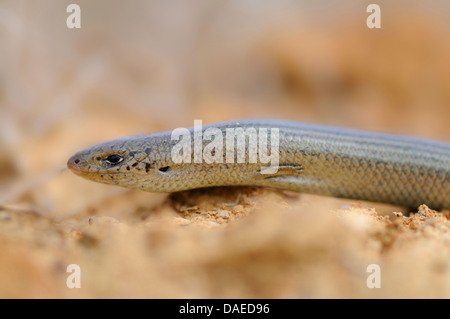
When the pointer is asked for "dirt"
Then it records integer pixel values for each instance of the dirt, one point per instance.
(226, 243)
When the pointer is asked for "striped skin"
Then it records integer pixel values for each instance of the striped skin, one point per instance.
(312, 159)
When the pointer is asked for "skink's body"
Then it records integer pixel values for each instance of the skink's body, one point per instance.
(312, 158)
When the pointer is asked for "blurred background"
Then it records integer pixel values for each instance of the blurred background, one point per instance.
(137, 67)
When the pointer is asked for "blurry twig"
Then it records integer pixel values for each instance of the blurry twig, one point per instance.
(21, 210)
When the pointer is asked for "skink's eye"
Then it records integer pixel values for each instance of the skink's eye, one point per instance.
(113, 159)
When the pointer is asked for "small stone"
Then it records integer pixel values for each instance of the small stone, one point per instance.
(398, 214)
(223, 214)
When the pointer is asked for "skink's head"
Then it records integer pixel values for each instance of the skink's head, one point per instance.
(92, 163)
(99, 162)
(145, 162)
(124, 162)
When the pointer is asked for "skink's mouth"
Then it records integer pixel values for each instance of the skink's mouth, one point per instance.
(78, 167)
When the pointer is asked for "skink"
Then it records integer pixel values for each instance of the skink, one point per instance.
(315, 159)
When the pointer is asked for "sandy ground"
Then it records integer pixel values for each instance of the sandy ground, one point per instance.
(225, 243)
(147, 68)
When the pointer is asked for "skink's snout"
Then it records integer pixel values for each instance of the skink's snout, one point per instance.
(74, 163)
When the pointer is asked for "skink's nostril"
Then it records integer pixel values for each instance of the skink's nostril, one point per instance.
(73, 162)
